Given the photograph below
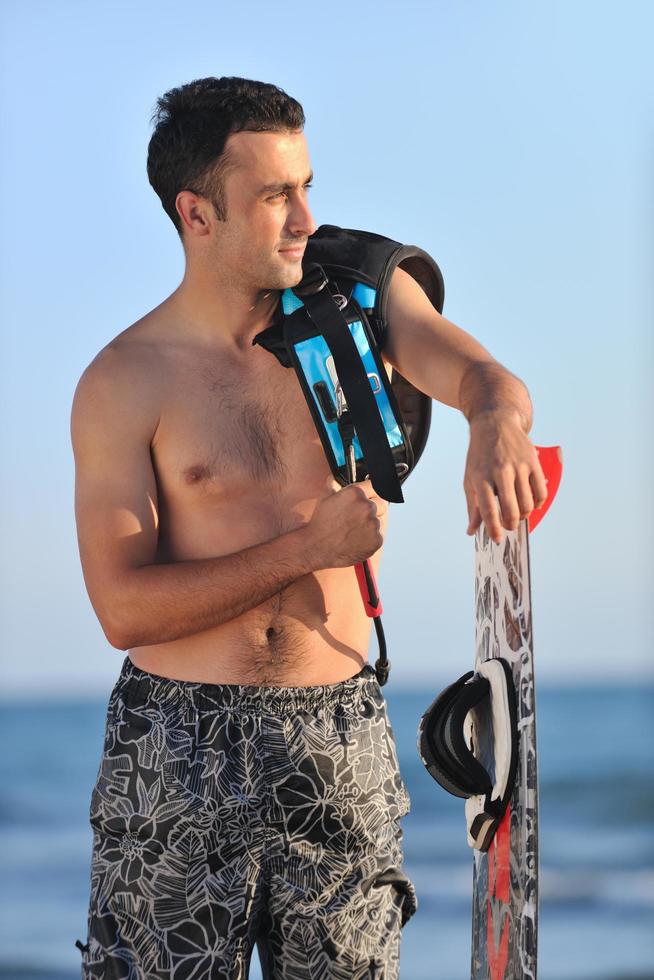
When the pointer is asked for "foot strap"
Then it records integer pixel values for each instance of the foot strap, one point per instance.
(468, 742)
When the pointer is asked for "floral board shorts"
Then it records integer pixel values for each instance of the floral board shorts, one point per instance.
(228, 815)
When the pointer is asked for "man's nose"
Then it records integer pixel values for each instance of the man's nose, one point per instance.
(300, 219)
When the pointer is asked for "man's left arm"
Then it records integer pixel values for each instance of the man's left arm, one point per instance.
(448, 364)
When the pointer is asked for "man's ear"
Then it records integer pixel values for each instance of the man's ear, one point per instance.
(194, 212)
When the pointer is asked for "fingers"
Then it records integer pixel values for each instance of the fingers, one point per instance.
(505, 484)
(490, 512)
(362, 489)
(524, 493)
(511, 498)
(378, 505)
(367, 488)
(504, 481)
(381, 506)
(538, 485)
(474, 518)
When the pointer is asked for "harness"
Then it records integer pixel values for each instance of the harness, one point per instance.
(331, 328)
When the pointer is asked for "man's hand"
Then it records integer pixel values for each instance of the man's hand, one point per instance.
(501, 461)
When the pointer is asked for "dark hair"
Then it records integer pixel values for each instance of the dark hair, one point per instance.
(192, 125)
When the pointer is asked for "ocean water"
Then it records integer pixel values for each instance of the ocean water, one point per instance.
(596, 831)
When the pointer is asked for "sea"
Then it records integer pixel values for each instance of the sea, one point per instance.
(596, 775)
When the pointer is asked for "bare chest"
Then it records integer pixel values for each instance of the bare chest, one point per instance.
(236, 455)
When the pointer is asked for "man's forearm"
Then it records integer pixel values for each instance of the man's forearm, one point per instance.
(487, 386)
(165, 602)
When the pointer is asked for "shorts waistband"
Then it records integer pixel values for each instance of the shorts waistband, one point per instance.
(143, 685)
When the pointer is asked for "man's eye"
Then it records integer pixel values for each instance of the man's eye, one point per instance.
(275, 197)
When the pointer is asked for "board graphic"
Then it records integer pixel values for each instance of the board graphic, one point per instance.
(505, 877)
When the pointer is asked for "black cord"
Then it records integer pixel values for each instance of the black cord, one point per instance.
(383, 664)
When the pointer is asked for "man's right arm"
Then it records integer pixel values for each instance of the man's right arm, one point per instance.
(138, 602)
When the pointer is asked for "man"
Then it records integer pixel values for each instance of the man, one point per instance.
(249, 788)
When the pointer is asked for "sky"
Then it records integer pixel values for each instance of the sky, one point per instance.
(513, 142)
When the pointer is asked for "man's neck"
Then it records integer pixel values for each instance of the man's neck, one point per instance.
(212, 310)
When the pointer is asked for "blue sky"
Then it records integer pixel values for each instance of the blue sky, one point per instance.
(514, 142)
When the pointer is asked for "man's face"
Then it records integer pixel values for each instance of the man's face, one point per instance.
(262, 242)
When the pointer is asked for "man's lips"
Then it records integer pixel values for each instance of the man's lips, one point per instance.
(295, 249)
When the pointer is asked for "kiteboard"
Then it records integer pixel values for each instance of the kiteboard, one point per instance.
(505, 876)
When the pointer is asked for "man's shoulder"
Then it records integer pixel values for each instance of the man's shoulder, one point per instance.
(134, 354)
(126, 375)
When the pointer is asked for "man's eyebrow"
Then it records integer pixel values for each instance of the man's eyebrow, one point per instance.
(275, 188)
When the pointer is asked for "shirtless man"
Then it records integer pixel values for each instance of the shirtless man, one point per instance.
(230, 807)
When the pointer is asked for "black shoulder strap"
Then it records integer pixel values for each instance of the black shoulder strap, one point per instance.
(348, 256)
(359, 396)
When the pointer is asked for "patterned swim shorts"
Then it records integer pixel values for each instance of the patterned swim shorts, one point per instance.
(228, 815)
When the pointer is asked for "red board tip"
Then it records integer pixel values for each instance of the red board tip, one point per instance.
(551, 461)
